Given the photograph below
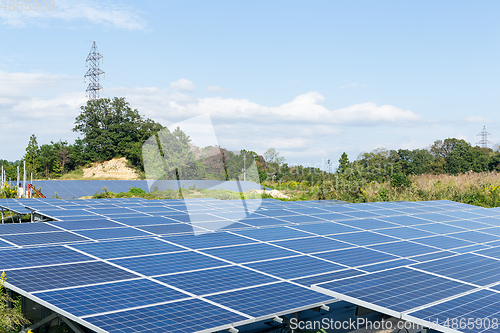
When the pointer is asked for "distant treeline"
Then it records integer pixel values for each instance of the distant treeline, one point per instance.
(110, 128)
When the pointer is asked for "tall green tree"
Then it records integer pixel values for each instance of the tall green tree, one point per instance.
(111, 128)
(31, 156)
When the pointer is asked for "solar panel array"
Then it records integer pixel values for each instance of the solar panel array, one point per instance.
(133, 265)
(71, 189)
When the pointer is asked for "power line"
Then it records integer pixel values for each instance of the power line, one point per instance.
(94, 87)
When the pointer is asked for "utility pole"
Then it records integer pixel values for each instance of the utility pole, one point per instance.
(93, 73)
(484, 138)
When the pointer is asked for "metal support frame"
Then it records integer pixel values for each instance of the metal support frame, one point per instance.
(48, 319)
(72, 325)
(40, 323)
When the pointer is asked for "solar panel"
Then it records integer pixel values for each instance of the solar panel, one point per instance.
(295, 267)
(81, 301)
(170, 317)
(399, 290)
(175, 255)
(127, 248)
(62, 276)
(216, 280)
(169, 263)
(270, 299)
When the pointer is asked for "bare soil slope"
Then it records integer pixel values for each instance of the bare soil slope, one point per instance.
(114, 169)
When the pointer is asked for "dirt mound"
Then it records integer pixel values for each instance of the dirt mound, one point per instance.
(114, 169)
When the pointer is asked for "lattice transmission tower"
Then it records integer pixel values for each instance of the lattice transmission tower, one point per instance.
(94, 88)
(484, 138)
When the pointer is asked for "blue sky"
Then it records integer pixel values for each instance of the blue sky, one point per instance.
(311, 79)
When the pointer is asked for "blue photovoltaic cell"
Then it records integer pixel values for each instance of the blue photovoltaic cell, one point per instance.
(110, 297)
(463, 214)
(271, 234)
(339, 208)
(356, 257)
(443, 242)
(112, 211)
(249, 253)
(491, 231)
(405, 232)
(469, 224)
(119, 216)
(66, 213)
(44, 238)
(327, 228)
(313, 244)
(25, 228)
(399, 289)
(465, 267)
(492, 252)
(290, 268)
(156, 209)
(387, 265)
(265, 300)
(87, 224)
(436, 217)
(369, 224)
(308, 211)
(29, 257)
(165, 229)
(112, 233)
(208, 240)
(434, 256)
(404, 220)
(363, 238)
(169, 263)
(409, 210)
(221, 225)
(127, 248)
(275, 212)
(300, 219)
(489, 220)
(264, 221)
(193, 218)
(438, 228)
(481, 305)
(171, 317)
(309, 281)
(216, 280)
(363, 214)
(471, 248)
(144, 220)
(333, 216)
(62, 276)
(405, 248)
(475, 236)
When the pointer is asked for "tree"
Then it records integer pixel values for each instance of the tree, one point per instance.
(111, 128)
(31, 156)
(46, 158)
(56, 168)
(11, 319)
(63, 155)
(272, 156)
(344, 163)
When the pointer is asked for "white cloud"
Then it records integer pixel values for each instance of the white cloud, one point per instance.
(102, 12)
(478, 120)
(216, 89)
(302, 130)
(183, 85)
(354, 85)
